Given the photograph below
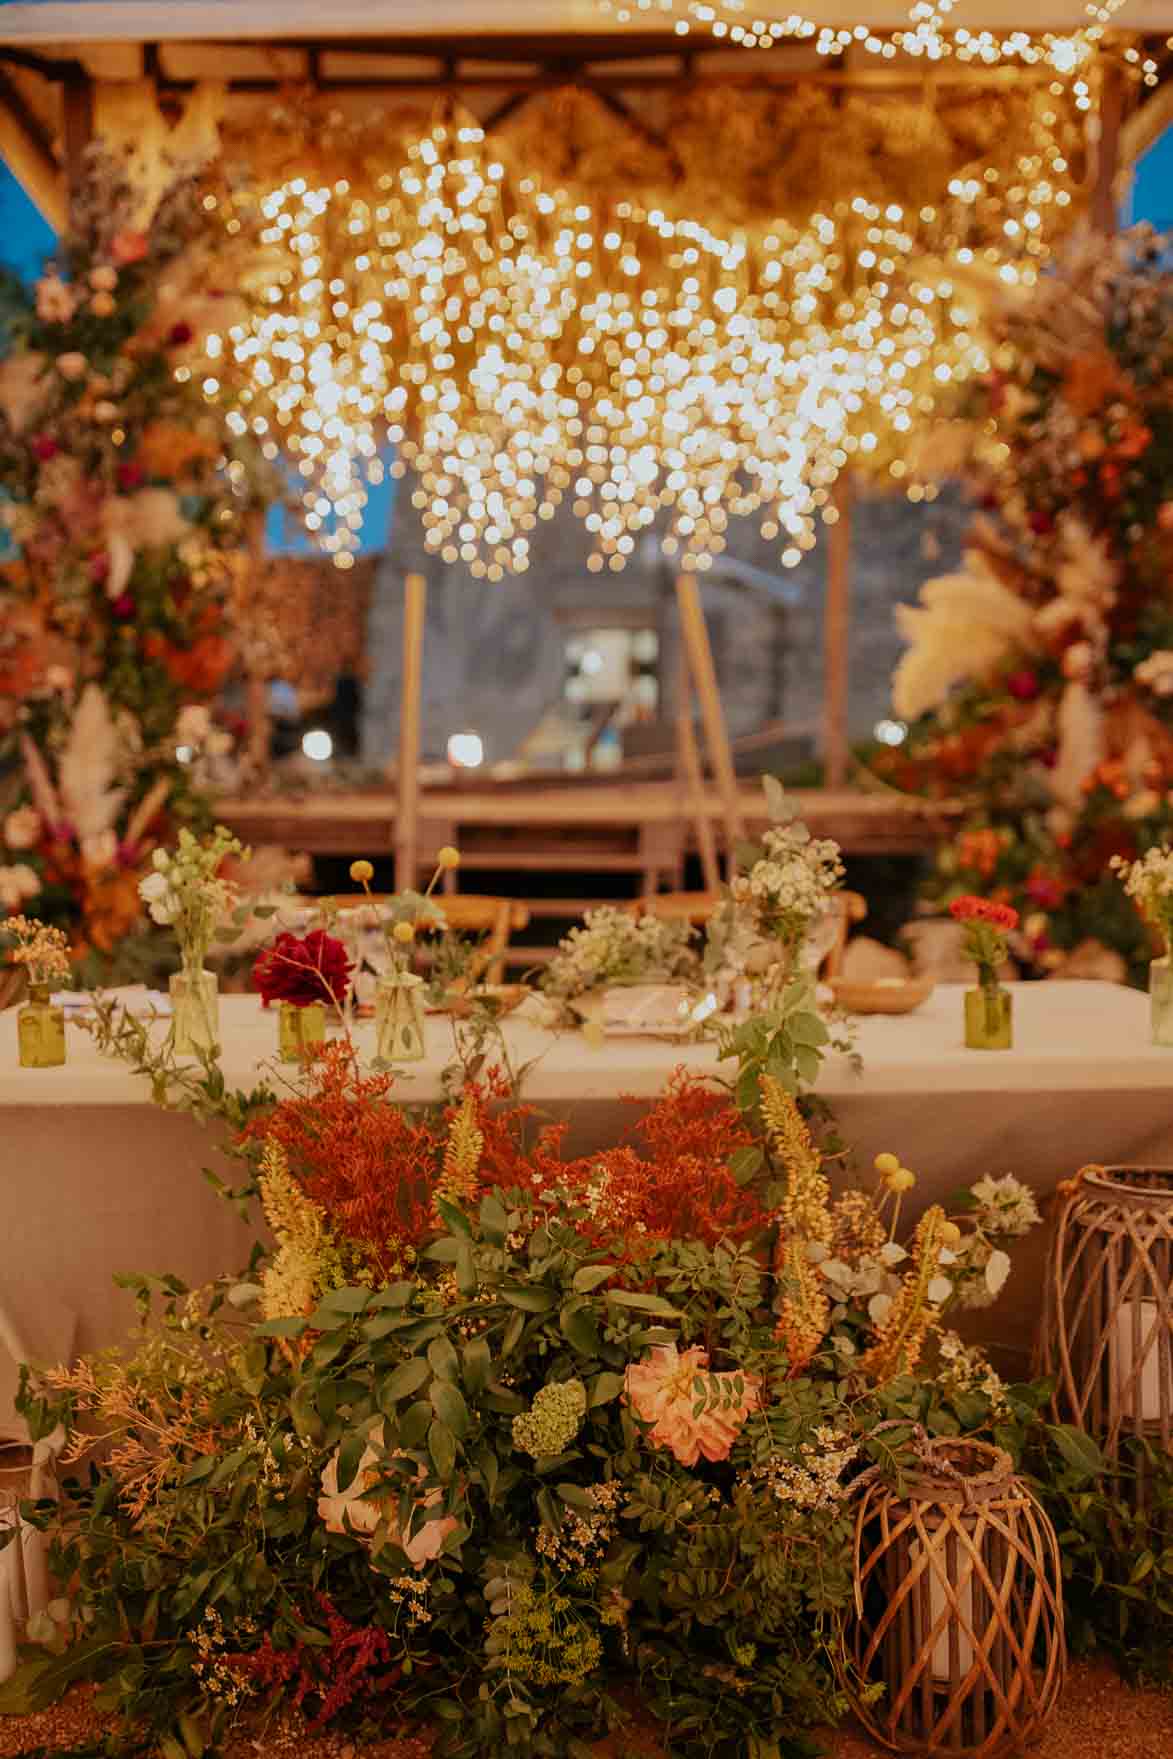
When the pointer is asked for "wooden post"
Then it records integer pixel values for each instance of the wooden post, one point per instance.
(693, 778)
(1109, 119)
(837, 638)
(77, 96)
(260, 725)
(408, 776)
(700, 660)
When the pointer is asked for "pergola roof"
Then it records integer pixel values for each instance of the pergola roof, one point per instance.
(94, 21)
(492, 53)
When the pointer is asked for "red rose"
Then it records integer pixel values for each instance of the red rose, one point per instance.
(1023, 685)
(130, 476)
(315, 969)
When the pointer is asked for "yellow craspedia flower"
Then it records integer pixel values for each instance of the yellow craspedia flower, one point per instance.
(901, 1180)
(448, 856)
(404, 931)
(887, 1163)
(949, 1234)
(361, 872)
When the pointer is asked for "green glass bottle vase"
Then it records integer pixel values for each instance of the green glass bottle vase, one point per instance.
(299, 1029)
(40, 1030)
(989, 1018)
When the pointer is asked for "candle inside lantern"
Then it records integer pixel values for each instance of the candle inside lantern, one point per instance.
(941, 1667)
(1139, 1368)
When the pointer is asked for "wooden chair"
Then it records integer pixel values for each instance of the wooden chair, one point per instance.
(464, 913)
(697, 907)
(691, 907)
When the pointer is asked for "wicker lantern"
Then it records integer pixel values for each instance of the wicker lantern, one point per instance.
(1107, 1332)
(959, 1609)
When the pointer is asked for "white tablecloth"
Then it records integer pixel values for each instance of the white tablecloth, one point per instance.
(99, 1181)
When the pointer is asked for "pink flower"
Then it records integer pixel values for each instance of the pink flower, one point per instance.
(128, 247)
(665, 1391)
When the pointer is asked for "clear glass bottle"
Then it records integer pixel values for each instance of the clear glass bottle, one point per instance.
(40, 1030)
(299, 1029)
(399, 1018)
(195, 1012)
(989, 1018)
(1161, 1000)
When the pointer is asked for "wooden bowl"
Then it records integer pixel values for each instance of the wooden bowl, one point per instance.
(896, 996)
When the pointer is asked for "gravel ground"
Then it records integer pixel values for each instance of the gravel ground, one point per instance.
(1099, 1718)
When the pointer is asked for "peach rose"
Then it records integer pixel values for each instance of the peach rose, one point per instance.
(663, 1392)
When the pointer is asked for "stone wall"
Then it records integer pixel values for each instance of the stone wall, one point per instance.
(493, 653)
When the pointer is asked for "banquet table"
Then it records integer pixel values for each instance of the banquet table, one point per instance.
(100, 1181)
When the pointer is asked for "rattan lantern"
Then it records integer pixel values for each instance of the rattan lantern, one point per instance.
(959, 1607)
(1107, 1332)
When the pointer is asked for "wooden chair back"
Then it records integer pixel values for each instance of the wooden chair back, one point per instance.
(464, 913)
(693, 907)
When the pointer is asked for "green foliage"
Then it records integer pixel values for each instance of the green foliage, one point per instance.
(1115, 1527)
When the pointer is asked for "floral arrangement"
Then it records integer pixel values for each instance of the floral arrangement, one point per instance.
(613, 947)
(1149, 883)
(186, 892)
(303, 970)
(126, 500)
(986, 925)
(785, 884)
(40, 950)
(1038, 684)
(502, 1444)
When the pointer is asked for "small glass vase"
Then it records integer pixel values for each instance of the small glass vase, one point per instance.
(1161, 1000)
(195, 1012)
(40, 1030)
(989, 1018)
(399, 1018)
(299, 1029)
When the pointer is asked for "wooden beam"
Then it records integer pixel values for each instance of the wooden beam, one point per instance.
(700, 659)
(27, 150)
(408, 769)
(837, 638)
(1108, 117)
(692, 775)
(77, 95)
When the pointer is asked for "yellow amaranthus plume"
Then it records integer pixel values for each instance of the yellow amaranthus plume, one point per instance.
(857, 1229)
(901, 1337)
(462, 1156)
(805, 1310)
(805, 1208)
(291, 1281)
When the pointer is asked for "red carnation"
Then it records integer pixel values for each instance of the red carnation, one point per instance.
(315, 969)
(971, 909)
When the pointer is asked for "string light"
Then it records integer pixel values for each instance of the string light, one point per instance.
(521, 347)
(927, 35)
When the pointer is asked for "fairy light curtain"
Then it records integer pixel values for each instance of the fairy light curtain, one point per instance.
(524, 335)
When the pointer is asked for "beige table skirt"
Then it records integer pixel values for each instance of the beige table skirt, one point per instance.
(97, 1181)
